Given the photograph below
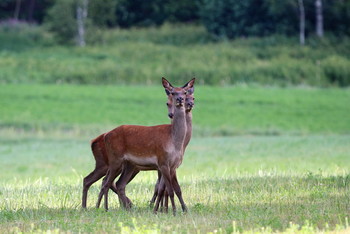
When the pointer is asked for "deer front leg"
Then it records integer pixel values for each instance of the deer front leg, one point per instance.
(179, 193)
(165, 170)
(156, 187)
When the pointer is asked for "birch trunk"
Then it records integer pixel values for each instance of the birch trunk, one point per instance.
(319, 18)
(81, 21)
(17, 10)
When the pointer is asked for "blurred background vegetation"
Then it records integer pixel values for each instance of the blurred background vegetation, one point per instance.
(135, 42)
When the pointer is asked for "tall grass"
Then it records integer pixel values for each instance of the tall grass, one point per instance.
(140, 56)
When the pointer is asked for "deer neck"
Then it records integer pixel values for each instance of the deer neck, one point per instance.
(179, 128)
(189, 128)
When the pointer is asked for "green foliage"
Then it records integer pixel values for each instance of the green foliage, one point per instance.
(182, 10)
(141, 56)
(337, 70)
(233, 18)
(30, 10)
(102, 13)
(140, 13)
(155, 12)
(337, 17)
(60, 20)
(18, 36)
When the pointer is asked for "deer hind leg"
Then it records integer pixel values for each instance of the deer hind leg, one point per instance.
(112, 173)
(129, 172)
(95, 175)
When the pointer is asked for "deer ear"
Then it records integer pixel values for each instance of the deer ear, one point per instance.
(190, 90)
(190, 86)
(166, 84)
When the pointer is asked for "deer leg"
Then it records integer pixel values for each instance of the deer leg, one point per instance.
(91, 179)
(166, 200)
(129, 172)
(160, 192)
(113, 188)
(155, 194)
(166, 176)
(178, 192)
(112, 173)
(100, 195)
(135, 172)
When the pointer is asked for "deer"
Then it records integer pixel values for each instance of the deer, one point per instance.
(158, 147)
(120, 185)
(131, 170)
(101, 162)
(189, 104)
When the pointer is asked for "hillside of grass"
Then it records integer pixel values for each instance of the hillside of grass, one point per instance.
(218, 110)
(141, 56)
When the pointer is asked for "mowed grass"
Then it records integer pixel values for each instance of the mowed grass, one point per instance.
(261, 159)
(237, 183)
(218, 110)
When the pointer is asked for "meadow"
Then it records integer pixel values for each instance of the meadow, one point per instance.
(140, 56)
(262, 159)
(270, 149)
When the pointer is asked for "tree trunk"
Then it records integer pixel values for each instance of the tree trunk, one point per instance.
(81, 21)
(17, 9)
(319, 18)
(301, 22)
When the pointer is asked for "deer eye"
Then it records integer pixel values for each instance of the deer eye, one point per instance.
(185, 92)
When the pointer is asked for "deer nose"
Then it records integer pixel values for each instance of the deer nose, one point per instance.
(171, 115)
(179, 99)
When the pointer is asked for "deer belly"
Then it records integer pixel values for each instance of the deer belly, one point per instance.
(145, 163)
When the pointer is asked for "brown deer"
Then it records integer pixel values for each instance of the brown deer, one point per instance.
(158, 147)
(189, 104)
(130, 170)
(101, 162)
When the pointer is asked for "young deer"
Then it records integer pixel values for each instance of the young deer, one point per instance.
(101, 162)
(189, 104)
(149, 148)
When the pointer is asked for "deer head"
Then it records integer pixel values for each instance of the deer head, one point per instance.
(187, 89)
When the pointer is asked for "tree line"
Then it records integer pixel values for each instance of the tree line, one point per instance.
(68, 19)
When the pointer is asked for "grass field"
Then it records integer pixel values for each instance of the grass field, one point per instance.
(254, 182)
(261, 159)
(219, 111)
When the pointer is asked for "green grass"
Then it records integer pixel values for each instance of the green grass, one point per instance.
(81, 110)
(279, 161)
(253, 182)
(140, 56)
